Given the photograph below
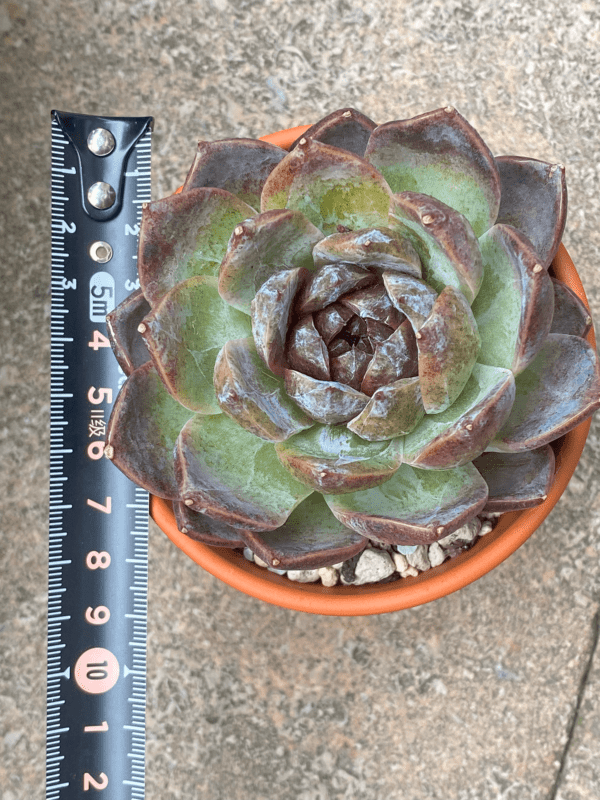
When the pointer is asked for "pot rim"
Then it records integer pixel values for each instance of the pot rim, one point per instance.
(512, 530)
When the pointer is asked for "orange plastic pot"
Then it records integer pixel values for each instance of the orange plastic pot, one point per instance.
(511, 531)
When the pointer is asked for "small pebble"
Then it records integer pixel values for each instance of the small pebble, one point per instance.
(410, 572)
(259, 561)
(466, 533)
(329, 576)
(248, 554)
(348, 570)
(406, 549)
(373, 565)
(400, 562)
(436, 555)
(487, 527)
(419, 559)
(303, 575)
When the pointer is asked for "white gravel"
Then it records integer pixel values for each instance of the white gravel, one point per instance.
(379, 562)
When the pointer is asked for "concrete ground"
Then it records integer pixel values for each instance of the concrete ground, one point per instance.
(492, 693)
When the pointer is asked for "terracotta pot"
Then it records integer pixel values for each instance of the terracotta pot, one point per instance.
(489, 551)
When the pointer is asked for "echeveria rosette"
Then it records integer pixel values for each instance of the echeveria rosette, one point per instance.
(355, 340)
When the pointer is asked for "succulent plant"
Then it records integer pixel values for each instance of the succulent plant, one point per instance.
(359, 339)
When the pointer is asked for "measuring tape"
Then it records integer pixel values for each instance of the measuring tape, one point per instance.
(98, 530)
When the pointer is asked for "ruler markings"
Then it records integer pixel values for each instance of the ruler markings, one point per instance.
(69, 324)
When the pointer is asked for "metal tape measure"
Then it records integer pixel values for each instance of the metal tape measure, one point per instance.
(98, 531)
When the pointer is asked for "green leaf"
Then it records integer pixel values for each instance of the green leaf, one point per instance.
(444, 240)
(515, 304)
(557, 391)
(143, 427)
(233, 476)
(186, 235)
(392, 411)
(185, 332)
(448, 343)
(260, 247)
(252, 396)
(462, 432)
(415, 506)
(332, 459)
(329, 186)
(439, 154)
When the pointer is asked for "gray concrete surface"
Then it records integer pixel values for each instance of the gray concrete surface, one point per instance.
(492, 693)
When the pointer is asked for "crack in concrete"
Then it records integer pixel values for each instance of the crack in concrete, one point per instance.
(576, 712)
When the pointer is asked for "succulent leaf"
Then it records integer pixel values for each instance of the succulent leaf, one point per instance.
(373, 303)
(122, 325)
(329, 321)
(328, 402)
(393, 410)
(448, 344)
(516, 480)
(515, 304)
(271, 311)
(411, 296)
(306, 350)
(350, 367)
(330, 186)
(253, 396)
(346, 128)
(261, 246)
(557, 391)
(240, 166)
(202, 528)
(330, 283)
(442, 155)
(462, 432)
(373, 247)
(393, 359)
(185, 352)
(570, 314)
(310, 538)
(142, 432)
(185, 235)
(332, 459)
(443, 239)
(415, 506)
(243, 484)
(534, 201)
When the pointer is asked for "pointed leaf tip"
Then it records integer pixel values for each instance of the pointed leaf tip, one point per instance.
(346, 128)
